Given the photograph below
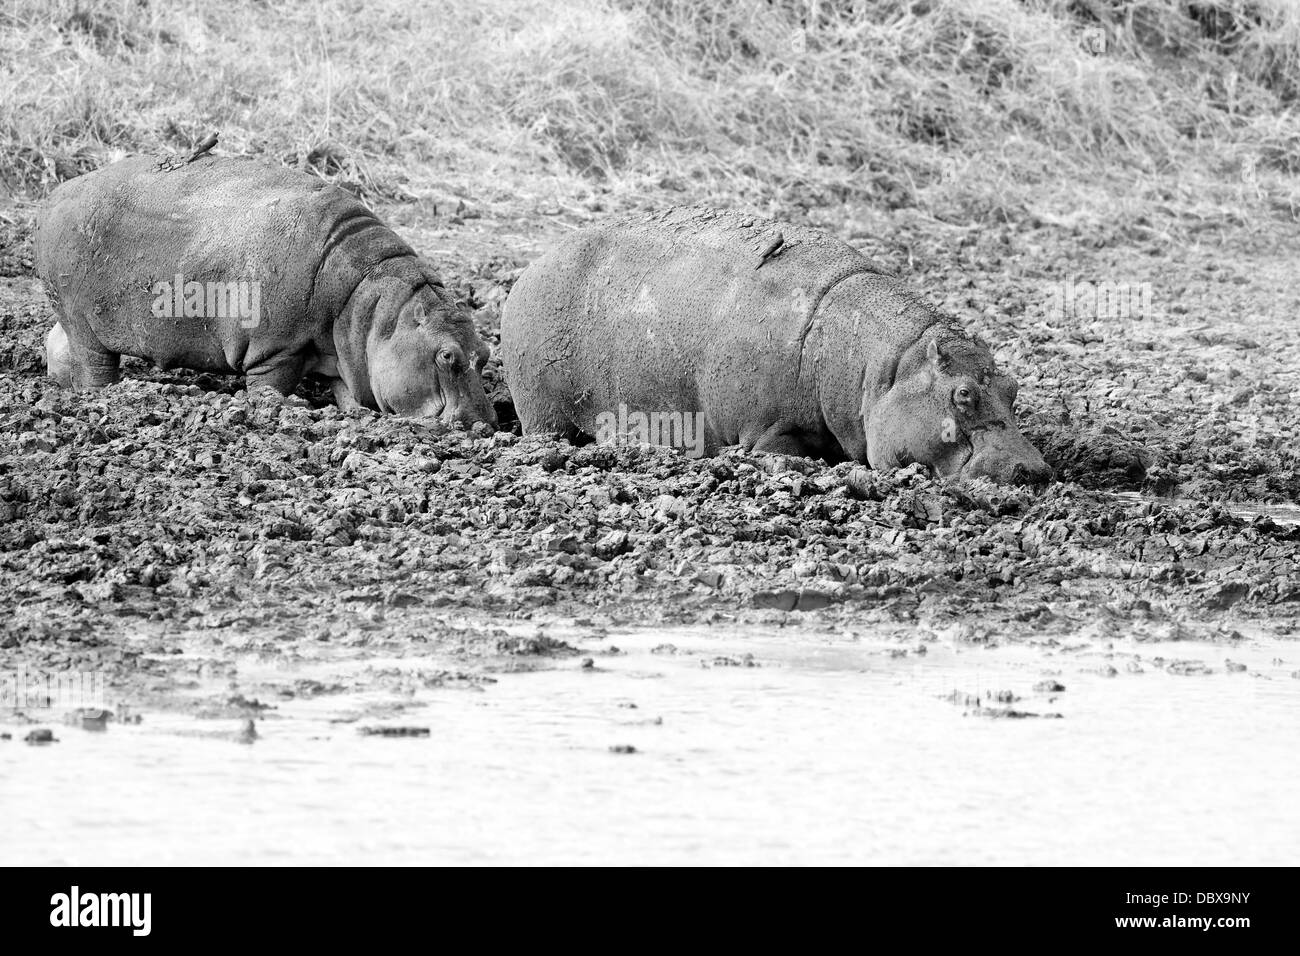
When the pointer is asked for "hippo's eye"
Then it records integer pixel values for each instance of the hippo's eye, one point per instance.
(447, 357)
(963, 395)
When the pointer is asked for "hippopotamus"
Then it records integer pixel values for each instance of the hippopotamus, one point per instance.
(730, 330)
(231, 265)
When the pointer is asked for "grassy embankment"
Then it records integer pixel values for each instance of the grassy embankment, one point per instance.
(1148, 115)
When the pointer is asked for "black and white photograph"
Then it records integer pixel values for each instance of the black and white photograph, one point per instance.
(651, 433)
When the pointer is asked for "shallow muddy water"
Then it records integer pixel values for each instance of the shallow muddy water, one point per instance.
(1281, 513)
(817, 749)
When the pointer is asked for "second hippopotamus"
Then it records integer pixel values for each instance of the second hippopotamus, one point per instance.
(705, 329)
(231, 265)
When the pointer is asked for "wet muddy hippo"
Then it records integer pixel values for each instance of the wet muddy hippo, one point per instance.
(704, 329)
(231, 265)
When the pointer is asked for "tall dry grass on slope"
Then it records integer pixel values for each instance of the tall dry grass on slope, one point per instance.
(969, 109)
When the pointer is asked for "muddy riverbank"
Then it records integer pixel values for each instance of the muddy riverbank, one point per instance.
(258, 583)
(177, 511)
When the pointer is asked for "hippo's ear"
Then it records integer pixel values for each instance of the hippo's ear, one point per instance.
(935, 353)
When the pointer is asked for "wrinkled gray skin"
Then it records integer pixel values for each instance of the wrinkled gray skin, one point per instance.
(807, 350)
(341, 295)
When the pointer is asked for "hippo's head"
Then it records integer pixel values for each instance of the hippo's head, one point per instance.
(951, 409)
(428, 363)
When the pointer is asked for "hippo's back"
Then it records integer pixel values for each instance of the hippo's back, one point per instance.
(126, 209)
(687, 309)
(108, 241)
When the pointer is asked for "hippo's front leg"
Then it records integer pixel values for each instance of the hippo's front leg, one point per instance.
(778, 439)
(77, 359)
(343, 396)
(78, 362)
(281, 372)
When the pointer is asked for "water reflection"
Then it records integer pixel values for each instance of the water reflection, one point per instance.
(817, 749)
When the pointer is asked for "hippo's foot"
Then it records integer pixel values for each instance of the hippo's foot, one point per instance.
(343, 397)
(82, 367)
(776, 440)
(283, 377)
(77, 365)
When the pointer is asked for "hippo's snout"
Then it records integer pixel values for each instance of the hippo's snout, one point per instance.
(461, 414)
(465, 402)
(1021, 466)
(1039, 473)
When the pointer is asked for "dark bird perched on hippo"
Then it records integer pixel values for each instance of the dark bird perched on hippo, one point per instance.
(229, 265)
(777, 340)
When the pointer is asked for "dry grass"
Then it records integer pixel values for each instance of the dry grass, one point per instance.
(968, 109)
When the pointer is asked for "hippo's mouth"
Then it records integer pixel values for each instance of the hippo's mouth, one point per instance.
(431, 409)
(953, 462)
(965, 452)
(441, 402)
(967, 448)
(966, 458)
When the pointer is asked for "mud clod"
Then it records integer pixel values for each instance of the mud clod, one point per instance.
(1188, 668)
(393, 731)
(93, 720)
